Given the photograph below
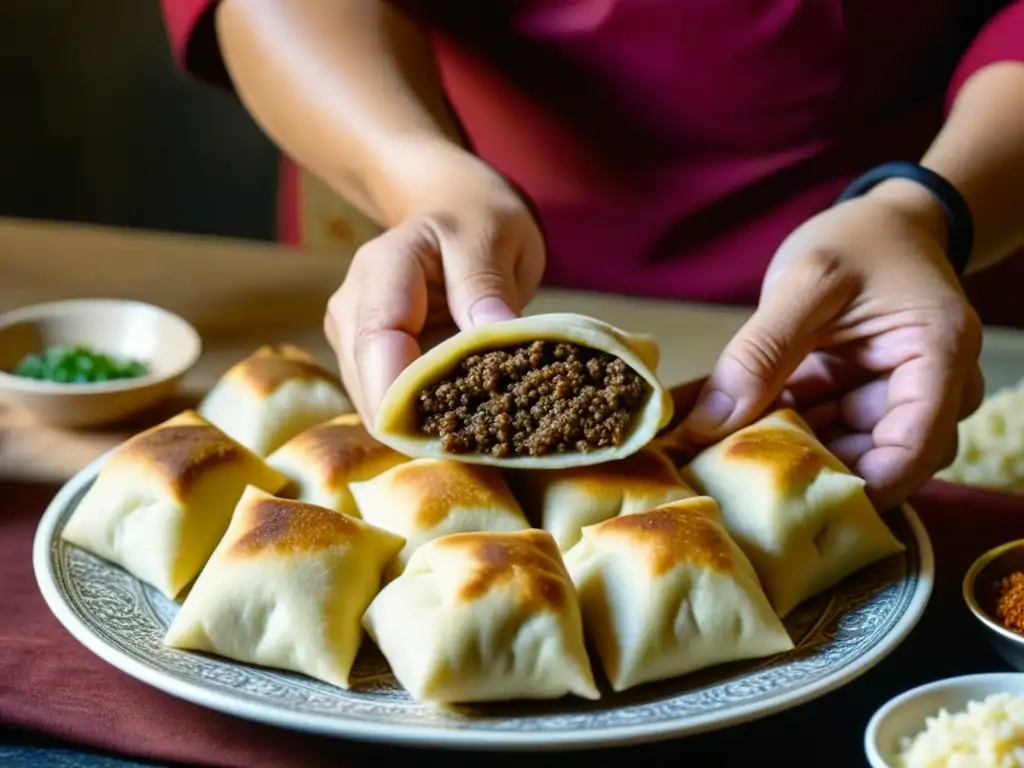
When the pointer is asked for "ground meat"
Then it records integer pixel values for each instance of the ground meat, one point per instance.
(533, 400)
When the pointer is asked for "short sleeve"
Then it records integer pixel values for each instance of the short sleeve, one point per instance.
(193, 37)
(1001, 39)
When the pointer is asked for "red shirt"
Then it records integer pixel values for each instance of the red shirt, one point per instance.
(671, 145)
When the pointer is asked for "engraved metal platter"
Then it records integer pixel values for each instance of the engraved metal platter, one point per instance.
(839, 636)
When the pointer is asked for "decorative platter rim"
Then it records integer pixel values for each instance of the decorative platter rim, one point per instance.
(882, 609)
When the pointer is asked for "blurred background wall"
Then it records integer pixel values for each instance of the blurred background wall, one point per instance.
(96, 126)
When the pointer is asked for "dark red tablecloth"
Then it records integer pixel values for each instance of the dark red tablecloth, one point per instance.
(52, 686)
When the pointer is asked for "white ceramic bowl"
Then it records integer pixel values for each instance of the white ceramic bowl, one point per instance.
(904, 716)
(166, 343)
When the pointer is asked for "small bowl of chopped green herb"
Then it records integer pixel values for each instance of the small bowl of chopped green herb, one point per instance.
(77, 365)
(88, 362)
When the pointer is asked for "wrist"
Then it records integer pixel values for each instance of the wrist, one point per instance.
(413, 175)
(917, 204)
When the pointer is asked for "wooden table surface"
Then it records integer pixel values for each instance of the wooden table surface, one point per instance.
(243, 294)
(240, 295)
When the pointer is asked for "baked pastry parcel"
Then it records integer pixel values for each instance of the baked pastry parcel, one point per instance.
(539, 392)
(484, 617)
(802, 518)
(564, 501)
(273, 395)
(667, 592)
(286, 588)
(164, 498)
(425, 499)
(321, 462)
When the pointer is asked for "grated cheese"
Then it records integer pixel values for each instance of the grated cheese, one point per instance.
(988, 734)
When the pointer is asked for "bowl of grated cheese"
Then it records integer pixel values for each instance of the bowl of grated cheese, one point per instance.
(974, 721)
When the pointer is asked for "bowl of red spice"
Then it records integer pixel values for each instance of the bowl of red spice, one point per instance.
(993, 589)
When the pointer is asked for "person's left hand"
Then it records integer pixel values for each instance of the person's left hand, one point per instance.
(862, 327)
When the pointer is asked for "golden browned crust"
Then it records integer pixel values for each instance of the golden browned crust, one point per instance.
(647, 467)
(792, 456)
(181, 453)
(269, 367)
(339, 447)
(648, 472)
(682, 532)
(440, 486)
(527, 559)
(287, 527)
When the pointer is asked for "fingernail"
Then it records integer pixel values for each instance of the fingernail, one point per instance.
(710, 413)
(487, 311)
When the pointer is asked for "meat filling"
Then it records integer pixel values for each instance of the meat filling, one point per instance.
(532, 400)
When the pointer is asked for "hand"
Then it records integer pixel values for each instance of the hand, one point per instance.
(466, 252)
(862, 326)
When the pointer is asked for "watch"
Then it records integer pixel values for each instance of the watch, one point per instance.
(960, 221)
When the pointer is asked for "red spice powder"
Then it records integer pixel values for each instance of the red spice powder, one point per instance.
(1010, 603)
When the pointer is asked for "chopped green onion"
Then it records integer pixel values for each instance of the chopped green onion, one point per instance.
(77, 365)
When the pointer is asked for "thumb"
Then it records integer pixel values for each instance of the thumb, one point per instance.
(760, 358)
(479, 281)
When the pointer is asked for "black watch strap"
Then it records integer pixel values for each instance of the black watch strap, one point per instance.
(960, 241)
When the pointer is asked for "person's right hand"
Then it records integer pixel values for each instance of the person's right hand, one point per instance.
(466, 249)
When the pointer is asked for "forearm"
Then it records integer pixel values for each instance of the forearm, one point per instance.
(980, 149)
(348, 88)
